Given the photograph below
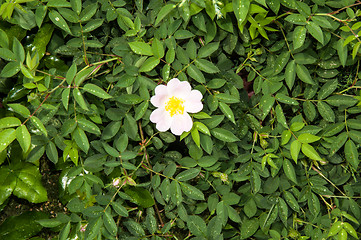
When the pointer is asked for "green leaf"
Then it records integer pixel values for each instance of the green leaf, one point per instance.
(315, 31)
(310, 152)
(187, 174)
(129, 99)
(109, 223)
(295, 149)
(65, 95)
(289, 170)
(240, 9)
(118, 208)
(22, 226)
(283, 211)
(224, 135)
(326, 111)
(88, 126)
(40, 14)
(164, 11)
(327, 89)
(341, 100)
(175, 193)
(196, 74)
(18, 50)
(296, 19)
(76, 5)
(88, 12)
(39, 125)
(7, 55)
(216, 83)
(280, 116)
(81, 139)
(97, 91)
(52, 152)
(336, 227)
(10, 69)
(7, 136)
(49, 223)
(351, 154)
(202, 128)
(64, 233)
(59, 21)
(299, 36)
(355, 49)
(28, 183)
(350, 229)
(8, 122)
(92, 25)
(206, 66)
(42, 39)
(249, 227)
(70, 74)
(82, 75)
(285, 99)
(308, 138)
(141, 48)
(7, 183)
(303, 74)
(130, 126)
(140, 110)
(297, 126)
(149, 64)
(285, 137)
(255, 181)
(197, 226)
(93, 228)
(291, 201)
(157, 47)
(250, 208)
(26, 71)
(20, 109)
(281, 62)
(290, 74)
(196, 137)
(342, 51)
(191, 191)
(208, 49)
(79, 99)
(23, 137)
(227, 111)
(140, 196)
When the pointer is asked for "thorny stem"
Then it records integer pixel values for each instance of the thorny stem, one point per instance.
(82, 37)
(321, 174)
(284, 36)
(339, 10)
(46, 97)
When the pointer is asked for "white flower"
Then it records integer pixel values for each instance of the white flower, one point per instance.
(174, 101)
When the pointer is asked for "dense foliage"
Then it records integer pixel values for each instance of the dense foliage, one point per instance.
(274, 154)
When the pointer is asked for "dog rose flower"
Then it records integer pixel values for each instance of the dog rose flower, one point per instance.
(174, 101)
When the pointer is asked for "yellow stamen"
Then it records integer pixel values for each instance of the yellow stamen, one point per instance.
(174, 106)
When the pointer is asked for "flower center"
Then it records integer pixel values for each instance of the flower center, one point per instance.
(174, 106)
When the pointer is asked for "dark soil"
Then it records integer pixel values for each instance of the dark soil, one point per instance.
(16, 206)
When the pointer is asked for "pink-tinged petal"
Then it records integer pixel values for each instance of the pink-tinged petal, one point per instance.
(161, 90)
(157, 115)
(160, 97)
(179, 89)
(181, 123)
(193, 107)
(161, 118)
(194, 96)
(164, 124)
(159, 100)
(193, 102)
